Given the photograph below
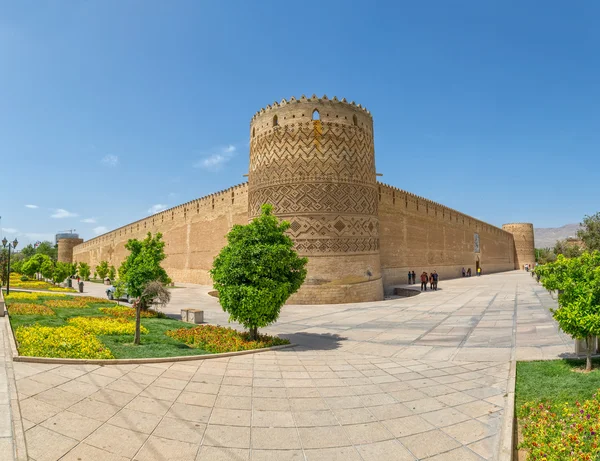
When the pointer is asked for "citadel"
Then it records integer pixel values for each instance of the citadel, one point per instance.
(313, 159)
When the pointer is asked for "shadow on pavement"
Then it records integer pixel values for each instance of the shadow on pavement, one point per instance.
(325, 341)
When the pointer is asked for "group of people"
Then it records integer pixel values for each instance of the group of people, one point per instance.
(467, 273)
(431, 278)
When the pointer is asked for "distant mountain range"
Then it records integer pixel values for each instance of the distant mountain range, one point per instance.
(546, 237)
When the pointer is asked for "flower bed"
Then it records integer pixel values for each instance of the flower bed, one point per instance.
(15, 295)
(106, 325)
(63, 342)
(125, 312)
(566, 432)
(94, 300)
(222, 339)
(67, 303)
(29, 309)
(62, 289)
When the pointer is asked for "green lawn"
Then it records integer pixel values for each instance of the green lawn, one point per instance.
(555, 381)
(154, 344)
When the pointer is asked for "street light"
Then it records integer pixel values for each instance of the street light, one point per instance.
(12, 245)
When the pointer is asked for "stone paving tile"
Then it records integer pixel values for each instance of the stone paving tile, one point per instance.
(46, 445)
(116, 440)
(72, 425)
(159, 449)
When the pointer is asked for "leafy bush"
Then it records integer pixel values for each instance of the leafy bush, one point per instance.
(105, 325)
(63, 342)
(29, 309)
(125, 312)
(257, 271)
(24, 278)
(565, 432)
(221, 339)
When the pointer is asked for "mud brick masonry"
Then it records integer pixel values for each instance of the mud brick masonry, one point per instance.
(313, 159)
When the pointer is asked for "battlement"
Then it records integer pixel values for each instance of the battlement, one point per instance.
(417, 200)
(196, 205)
(313, 99)
(295, 113)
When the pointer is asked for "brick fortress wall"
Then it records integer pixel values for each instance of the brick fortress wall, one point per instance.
(421, 235)
(193, 233)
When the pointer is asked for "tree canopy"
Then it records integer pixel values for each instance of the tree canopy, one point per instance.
(257, 271)
(589, 234)
(577, 281)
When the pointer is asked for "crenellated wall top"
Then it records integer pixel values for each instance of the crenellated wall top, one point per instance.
(440, 206)
(170, 212)
(292, 113)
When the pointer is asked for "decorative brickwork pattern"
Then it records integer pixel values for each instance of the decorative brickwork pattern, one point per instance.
(316, 165)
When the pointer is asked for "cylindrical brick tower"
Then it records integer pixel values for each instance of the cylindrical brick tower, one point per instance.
(313, 159)
(524, 243)
(65, 248)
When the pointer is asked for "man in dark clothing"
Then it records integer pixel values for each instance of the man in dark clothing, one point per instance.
(435, 280)
(409, 277)
(414, 277)
(424, 281)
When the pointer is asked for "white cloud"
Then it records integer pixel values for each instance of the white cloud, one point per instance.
(216, 160)
(10, 230)
(89, 220)
(100, 230)
(157, 208)
(61, 213)
(110, 160)
(31, 206)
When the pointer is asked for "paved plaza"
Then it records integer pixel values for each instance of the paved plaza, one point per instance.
(424, 377)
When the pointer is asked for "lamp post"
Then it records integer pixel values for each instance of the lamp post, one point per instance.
(12, 245)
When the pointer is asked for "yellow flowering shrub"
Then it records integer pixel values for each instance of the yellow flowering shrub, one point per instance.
(93, 299)
(31, 284)
(29, 309)
(63, 342)
(30, 296)
(105, 325)
(125, 312)
(66, 303)
(64, 289)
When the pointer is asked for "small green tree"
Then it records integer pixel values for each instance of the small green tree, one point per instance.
(47, 268)
(567, 249)
(257, 271)
(112, 273)
(544, 255)
(102, 269)
(61, 272)
(141, 267)
(34, 265)
(28, 251)
(84, 271)
(578, 283)
(119, 290)
(589, 234)
(47, 248)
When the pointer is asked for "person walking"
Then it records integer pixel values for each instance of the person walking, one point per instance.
(463, 272)
(431, 281)
(409, 277)
(414, 277)
(435, 280)
(424, 281)
(469, 272)
(478, 271)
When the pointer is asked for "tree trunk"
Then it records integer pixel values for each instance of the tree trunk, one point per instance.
(136, 339)
(588, 362)
(253, 333)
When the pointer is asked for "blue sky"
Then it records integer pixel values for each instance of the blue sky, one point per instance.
(112, 109)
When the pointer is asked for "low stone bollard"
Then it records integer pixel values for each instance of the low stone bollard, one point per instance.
(1, 304)
(192, 315)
